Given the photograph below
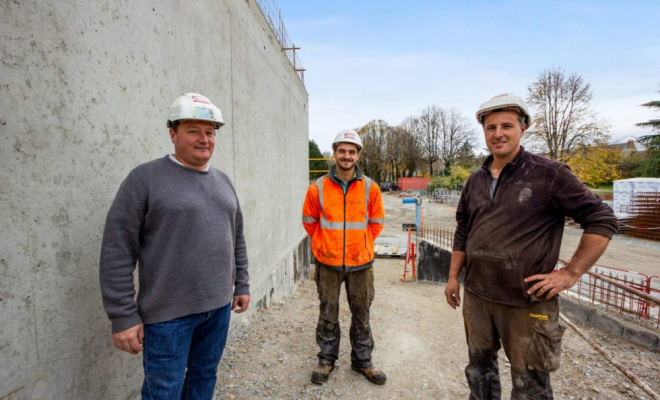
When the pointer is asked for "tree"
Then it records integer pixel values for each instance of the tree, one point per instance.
(331, 163)
(373, 158)
(455, 137)
(650, 162)
(410, 143)
(562, 117)
(441, 135)
(654, 124)
(596, 164)
(315, 152)
(467, 158)
(395, 152)
(427, 130)
(457, 176)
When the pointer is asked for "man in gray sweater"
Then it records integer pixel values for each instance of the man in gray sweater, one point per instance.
(180, 221)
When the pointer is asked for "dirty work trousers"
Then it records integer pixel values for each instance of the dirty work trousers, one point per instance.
(360, 294)
(531, 337)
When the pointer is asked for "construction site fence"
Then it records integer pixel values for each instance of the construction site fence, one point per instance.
(439, 236)
(445, 196)
(411, 193)
(628, 293)
(631, 294)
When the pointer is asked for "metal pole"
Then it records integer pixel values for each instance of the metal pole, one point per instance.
(628, 289)
(609, 358)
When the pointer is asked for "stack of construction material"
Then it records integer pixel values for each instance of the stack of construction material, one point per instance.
(625, 190)
(644, 210)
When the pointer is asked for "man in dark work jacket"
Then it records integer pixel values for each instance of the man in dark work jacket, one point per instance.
(510, 221)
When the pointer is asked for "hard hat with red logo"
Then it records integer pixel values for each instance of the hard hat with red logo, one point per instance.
(196, 107)
(347, 136)
(504, 102)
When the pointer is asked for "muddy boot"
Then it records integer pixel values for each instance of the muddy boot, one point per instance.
(321, 373)
(372, 374)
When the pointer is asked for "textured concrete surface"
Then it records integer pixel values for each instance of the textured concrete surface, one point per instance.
(635, 333)
(433, 263)
(86, 86)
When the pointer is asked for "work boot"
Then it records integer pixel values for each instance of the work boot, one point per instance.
(372, 374)
(321, 373)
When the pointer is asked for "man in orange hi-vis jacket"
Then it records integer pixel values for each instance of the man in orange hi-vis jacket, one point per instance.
(343, 214)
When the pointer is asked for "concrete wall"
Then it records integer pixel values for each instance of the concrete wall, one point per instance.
(86, 86)
(433, 262)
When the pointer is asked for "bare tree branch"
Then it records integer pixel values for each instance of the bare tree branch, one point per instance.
(374, 153)
(411, 144)
(455, 132)
(563, 119)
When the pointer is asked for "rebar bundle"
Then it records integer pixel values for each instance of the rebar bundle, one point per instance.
(645, 216)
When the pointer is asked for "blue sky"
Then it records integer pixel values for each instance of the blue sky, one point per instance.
(387, 60)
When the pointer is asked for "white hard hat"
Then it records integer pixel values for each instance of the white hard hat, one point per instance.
(197, 107)
(347, 136)
(501, 103)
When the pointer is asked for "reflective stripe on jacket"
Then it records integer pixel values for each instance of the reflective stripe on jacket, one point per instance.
(343, 227)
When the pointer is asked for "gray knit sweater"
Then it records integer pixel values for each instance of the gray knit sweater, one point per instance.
(184, 228)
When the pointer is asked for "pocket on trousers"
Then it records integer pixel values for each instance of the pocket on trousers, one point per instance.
(545, 349)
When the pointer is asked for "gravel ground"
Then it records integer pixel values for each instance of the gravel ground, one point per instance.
(420, 342)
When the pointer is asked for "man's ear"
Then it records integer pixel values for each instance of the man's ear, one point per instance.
(172, 134)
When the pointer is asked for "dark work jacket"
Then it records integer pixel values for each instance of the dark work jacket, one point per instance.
(519, 232)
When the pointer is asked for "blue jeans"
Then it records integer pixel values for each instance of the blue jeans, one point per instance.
(181, 356)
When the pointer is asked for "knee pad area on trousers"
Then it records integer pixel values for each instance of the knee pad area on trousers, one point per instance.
(483, 356)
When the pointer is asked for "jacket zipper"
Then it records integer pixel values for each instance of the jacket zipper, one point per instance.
(348, 186)
(492, 200)
(497, 185)
(344, 247)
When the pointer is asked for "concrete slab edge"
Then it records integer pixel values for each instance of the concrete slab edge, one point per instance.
(639, 335)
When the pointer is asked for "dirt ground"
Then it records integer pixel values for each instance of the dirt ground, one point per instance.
(420, 341)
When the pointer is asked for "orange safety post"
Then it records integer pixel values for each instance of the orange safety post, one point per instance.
(405, 266)
(414, 275)
(421, 215)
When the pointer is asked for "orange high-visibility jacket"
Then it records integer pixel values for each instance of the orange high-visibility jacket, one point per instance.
(343, 227)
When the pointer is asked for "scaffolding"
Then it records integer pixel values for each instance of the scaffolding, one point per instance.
(273, 16)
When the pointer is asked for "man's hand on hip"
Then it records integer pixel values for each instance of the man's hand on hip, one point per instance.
(130, 340)
(453, 293)
(552, 283)
(242, 302)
